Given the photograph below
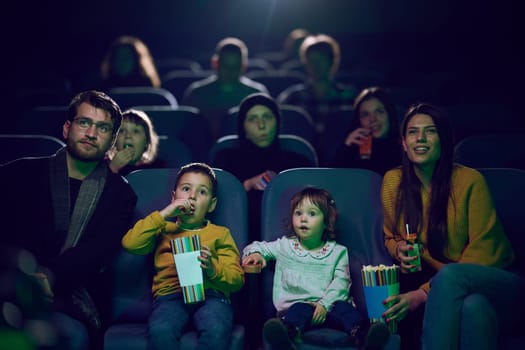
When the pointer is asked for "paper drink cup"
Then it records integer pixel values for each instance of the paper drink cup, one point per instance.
(365, 148)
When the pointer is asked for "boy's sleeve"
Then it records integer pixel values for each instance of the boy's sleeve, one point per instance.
(142, 237)
(228, 272)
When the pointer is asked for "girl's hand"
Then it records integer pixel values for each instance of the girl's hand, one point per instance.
(401, 304)
(178, 207)
(319, 316)
(405, 261)
(121, 159)
(253, 259)
(206, 261)
(357, 136)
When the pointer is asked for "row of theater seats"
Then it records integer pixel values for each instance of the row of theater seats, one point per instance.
(356, 191)
(178, 146)
(173, 120)
(357, 196)
(191, 127)
(478, 151)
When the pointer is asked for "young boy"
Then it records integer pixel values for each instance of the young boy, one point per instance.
(193, 197)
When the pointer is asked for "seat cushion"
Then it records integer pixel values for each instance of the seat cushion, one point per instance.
(133, 336)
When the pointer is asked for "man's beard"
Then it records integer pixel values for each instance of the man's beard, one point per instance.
(76, 153)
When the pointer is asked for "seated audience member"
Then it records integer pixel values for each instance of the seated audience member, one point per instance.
(289, 54)
(374, 124)
(259, 156)
(320, 55)
(193, 196)
(472, 306)
(447, 206)
(80, 211)
(311, 286)
(128, 62)
(136, 146)
(224, 89)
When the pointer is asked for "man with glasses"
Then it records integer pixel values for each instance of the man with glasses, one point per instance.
(63, 220)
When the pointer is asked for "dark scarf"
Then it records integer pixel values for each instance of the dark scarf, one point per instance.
(81, 303)
(88, 196)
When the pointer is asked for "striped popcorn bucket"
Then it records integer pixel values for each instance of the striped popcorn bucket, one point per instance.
(185, 252)
(380, 282)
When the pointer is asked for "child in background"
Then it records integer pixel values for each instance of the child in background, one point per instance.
(193, 197)
(312, 277)
(136, 146)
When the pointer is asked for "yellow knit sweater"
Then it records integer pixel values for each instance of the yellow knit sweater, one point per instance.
(153, 233)
(475, 234)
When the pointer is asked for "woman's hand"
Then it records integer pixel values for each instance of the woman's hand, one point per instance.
(401, 304)
(254, 259)
(121, 159)
(206, 261)
(319, 315)
(259, 182)
(405, 261)
(357, 136)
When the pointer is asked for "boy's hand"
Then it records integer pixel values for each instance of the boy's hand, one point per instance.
(254, 259)
(178, 207)
(206, 261)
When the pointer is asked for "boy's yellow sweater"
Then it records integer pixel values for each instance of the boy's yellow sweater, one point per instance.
(153, 233)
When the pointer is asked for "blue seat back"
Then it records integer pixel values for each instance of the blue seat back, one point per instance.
(129, 96)
(292, 143)
(133, 273)
(507, 187)
(185, 123)
(21, 145)
(491, 150)
(173, 152)
(294, 121)
(42, 120)
(359, 226)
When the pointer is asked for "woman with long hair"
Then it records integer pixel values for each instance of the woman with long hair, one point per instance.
(447, 206)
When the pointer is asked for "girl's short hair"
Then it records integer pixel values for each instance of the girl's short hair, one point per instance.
(324, 201)
(141, 118)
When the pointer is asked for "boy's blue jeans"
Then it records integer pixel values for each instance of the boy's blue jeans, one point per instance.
(469, 306)
(170, 317)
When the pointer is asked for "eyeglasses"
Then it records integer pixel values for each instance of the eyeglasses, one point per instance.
(86, 123)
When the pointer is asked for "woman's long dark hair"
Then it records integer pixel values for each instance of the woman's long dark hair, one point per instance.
(409, 200)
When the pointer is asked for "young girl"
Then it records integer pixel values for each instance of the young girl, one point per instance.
(136, 146)
(312, 276)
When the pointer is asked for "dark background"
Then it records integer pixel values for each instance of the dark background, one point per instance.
(476, 42)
